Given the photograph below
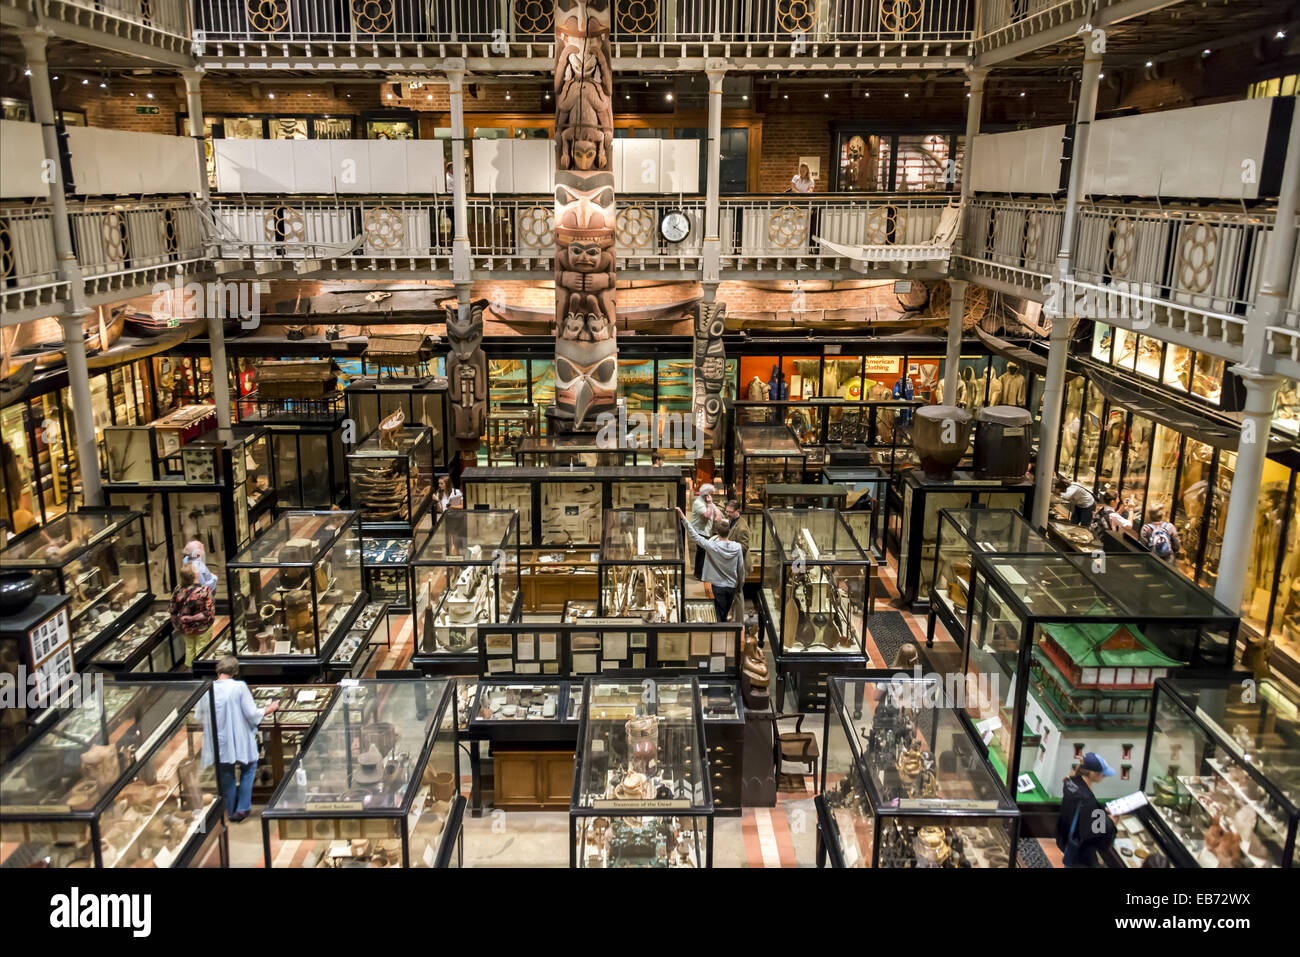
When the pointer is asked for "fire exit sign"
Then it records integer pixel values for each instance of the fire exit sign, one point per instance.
(146, 109)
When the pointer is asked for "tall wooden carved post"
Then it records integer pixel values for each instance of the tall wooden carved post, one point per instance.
(586, 351)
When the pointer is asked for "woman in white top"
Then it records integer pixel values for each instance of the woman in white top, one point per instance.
(802, 182)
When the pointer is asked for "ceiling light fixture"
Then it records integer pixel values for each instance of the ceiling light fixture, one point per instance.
(1150, 64)
(269, 96)
(669, 97)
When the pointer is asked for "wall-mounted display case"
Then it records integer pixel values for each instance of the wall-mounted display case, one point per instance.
(148, 644)
(813, 598)
(765, 455)
(961, 532)
(466, 573)
(1119, 437)
(121, 778)
(97, 558)
(390, 479)
(564, 508)
(298, 588)
(642, 565)
(376, 784)
(641, 790)
(422, 402)
(1222, 773)
(912, 520)
(222, 503)
(864, 505)
(1061, 655)
(905, 784)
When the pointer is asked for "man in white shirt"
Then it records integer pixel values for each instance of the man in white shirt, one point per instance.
(1080, 500)
(724, 563)
(802, 182)
(237, 721)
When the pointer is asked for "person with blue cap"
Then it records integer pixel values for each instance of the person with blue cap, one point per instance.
(1085, 830)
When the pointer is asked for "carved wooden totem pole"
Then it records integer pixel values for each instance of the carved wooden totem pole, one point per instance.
(467, 375)
(586, 351)
(710, 364)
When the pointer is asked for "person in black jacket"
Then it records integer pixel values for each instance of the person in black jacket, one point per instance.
(1084, 830)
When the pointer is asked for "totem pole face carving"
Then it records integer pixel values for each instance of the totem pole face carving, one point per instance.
(586, 350)
(467, 374)
(710, 363)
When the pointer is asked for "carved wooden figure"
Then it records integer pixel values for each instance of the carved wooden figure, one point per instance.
(467, 375)
(586, 349)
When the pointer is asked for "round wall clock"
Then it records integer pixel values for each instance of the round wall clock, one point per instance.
(675, 225)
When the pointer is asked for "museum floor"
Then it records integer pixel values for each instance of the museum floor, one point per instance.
(780, 836)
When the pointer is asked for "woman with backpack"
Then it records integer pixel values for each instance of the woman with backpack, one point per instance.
(1160, 536)
(193, 613)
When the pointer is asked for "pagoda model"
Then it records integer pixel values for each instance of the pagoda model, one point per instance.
(586, 352)
(1090, 690)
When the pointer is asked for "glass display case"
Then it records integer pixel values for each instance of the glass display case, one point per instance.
(298, 587)
(1062, 652)
(839, 431)
(518, 702)
(353, 654)
(961, 532)
(905, 784)
(508, 425)
(642, 565)
(377, 784)
(122, 777)
(564, 508)
(1222, 773)
(814, 582)
(386, 568)
(765, 454)
(390, 478)
(307, 464)
(641, 790)
(423, 402)
(912, 520)
(864, 504)
(217, 493)
(97, 558)
(280, 734)
(581, 450)
(147, 644)
(466, 573)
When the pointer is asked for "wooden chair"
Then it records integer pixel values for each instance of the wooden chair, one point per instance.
(797, 746)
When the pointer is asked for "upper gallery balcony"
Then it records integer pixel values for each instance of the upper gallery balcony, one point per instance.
(1044, 32)
(517, 34)
(1172, 238)
(131, 32)
(131, 217)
